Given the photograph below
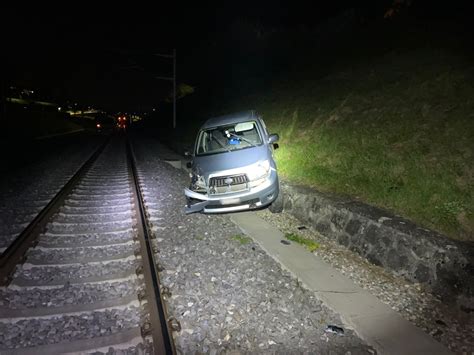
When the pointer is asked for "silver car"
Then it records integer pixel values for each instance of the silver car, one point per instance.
(232, 166)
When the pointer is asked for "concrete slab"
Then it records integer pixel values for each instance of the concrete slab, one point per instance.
(168, 156)
(372, 320)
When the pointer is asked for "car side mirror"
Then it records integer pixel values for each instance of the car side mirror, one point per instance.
(272, 138)
(275, 146)
(189, 165)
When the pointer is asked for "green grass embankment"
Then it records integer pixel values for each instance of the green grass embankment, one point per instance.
(397, 133)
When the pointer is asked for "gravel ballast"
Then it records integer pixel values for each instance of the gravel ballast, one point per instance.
(227, 293)
(67, 294)
(35, 331)
(70, 255)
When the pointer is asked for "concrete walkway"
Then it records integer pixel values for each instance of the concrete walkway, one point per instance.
(373, 321)
(168, 156)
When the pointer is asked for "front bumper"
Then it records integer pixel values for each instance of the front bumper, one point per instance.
(256, 197)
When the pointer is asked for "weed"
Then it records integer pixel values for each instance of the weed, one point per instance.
(309, 244)
(242, 239)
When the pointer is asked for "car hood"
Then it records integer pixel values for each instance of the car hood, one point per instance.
(235, 160)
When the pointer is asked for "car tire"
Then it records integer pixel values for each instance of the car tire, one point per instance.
(277, 205)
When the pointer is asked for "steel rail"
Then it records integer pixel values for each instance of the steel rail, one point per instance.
(15, 252)
(160, 327)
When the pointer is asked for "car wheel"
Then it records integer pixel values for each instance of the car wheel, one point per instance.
(277, 205)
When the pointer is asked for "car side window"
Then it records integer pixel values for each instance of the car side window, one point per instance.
(202, 143)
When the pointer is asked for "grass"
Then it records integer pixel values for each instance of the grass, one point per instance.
(396, 132)
(307, 243)
(242, 239)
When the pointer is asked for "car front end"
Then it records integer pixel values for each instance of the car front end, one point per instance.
(247, 187)
(232, 168)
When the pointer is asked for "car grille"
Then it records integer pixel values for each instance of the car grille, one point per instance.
(222, 180)
(228, 184)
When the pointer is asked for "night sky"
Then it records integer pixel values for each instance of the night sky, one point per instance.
(105, 55)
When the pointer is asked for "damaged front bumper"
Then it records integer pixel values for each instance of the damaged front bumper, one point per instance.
(255, 197)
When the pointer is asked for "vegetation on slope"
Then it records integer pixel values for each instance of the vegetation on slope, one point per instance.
(397, 133)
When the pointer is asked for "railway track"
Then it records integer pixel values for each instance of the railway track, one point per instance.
(81, 277)
(27, 192)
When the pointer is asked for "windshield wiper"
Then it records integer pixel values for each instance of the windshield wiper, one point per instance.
(242, 138)
(220, 143)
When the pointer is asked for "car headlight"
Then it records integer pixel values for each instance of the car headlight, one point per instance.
(198, 183)
(259, 170)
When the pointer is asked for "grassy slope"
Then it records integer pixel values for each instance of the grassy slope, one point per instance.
(397, 132)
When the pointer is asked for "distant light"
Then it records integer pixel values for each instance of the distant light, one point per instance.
(154, 109)
(98, 125)
(59, 108)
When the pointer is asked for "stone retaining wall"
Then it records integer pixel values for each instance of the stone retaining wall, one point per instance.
(418, 254)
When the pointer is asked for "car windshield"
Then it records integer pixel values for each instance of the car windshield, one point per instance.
(228, 138)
